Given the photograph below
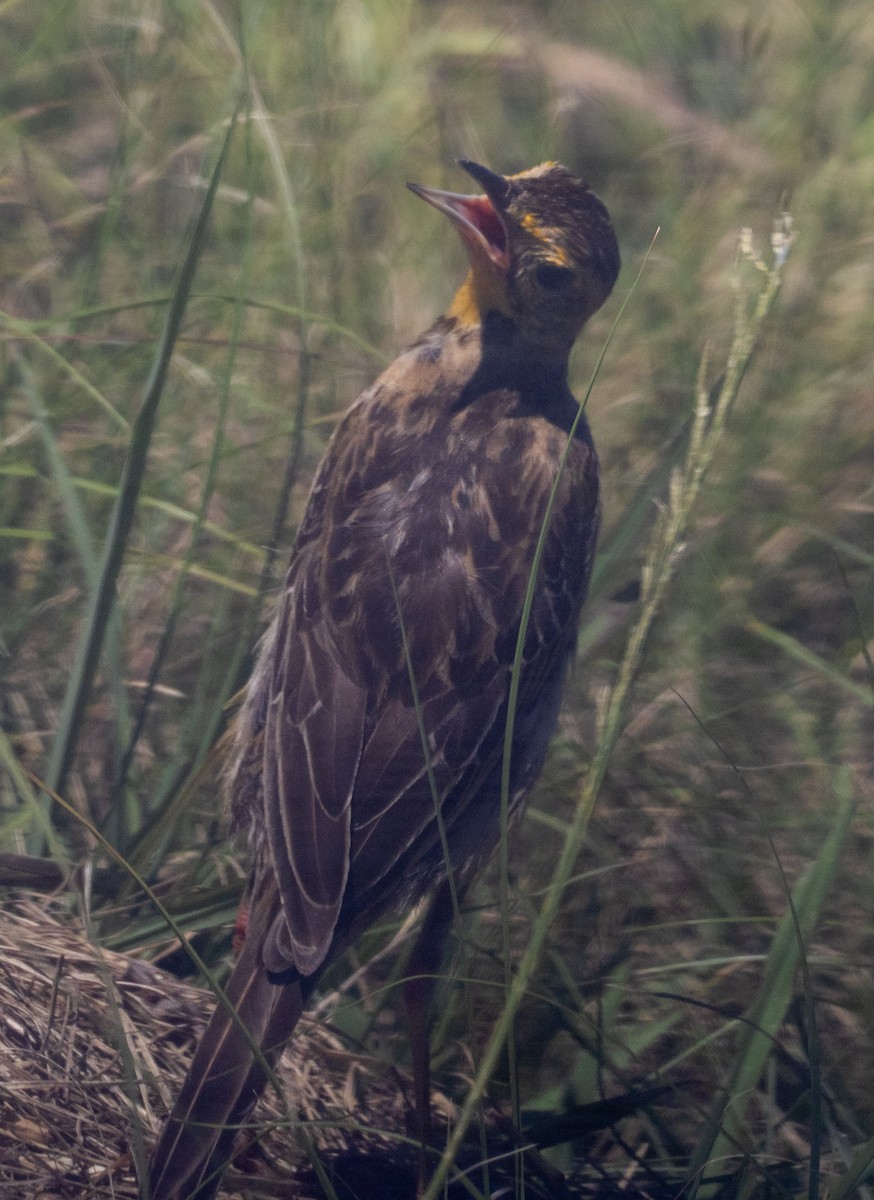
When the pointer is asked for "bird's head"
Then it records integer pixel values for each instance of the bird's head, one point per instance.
(542, 252)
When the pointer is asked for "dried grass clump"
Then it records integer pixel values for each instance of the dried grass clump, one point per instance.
(93, 1046)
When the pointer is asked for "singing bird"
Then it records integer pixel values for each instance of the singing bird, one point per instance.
(367, 758)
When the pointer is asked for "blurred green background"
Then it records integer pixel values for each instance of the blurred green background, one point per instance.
(752, 716)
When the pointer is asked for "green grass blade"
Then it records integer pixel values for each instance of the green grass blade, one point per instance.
(795, 650)
(858, 1172)
(82, 539)
(671, 529)
(25, 331)
(767, 1014)
(175, 603)
(32, 811)
(121, 520)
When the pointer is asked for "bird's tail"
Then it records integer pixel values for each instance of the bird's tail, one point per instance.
(224, 1082)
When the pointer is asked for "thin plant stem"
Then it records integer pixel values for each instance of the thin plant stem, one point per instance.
(663, 555)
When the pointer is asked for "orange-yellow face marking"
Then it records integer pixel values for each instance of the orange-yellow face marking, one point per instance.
(482, 291)
(558, 254)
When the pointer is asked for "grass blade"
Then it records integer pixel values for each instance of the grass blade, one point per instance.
(121, 520)
(670, 531)
(756, 1042)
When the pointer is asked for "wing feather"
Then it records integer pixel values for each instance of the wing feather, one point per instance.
(313, 735)
(349, 808)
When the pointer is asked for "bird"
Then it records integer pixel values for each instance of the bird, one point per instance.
(367, 759)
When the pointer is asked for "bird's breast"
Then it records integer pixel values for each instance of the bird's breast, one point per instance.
(430, 514)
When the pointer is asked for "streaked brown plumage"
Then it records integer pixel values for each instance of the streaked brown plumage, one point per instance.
(425, 511)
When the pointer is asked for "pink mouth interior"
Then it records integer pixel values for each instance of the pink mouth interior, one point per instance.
(480, 212)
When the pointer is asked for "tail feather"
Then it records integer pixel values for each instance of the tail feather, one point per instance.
(224, 1082)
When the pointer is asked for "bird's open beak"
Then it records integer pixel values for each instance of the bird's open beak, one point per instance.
(479, 219)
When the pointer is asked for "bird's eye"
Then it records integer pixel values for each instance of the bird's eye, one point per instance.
(553, 277)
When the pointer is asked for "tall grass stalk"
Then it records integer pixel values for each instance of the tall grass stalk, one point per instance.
(262, 121)
(209, 483)
(124, 510)
(80, 534)
(664, 553)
